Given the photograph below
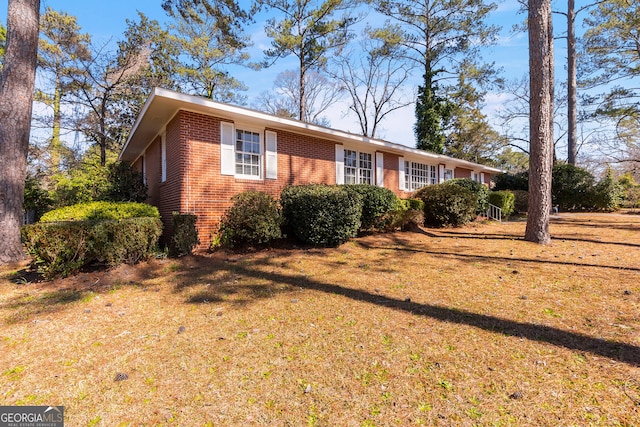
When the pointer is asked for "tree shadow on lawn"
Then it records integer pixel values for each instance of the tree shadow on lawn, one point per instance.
(447, 234)
(495, 259)
(619, 351)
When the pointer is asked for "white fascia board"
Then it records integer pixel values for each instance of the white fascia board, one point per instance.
(206, 106)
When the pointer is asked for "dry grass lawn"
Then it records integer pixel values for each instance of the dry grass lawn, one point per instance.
(470, 327)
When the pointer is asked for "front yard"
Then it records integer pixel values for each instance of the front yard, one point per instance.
(468, 326)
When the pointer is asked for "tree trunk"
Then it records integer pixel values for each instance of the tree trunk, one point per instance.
(541, 120)
(572, 138)
(302, 113)
(55, 148)
(16, 96)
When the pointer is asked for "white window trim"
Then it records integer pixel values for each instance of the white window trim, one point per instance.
(407, 179)
(358, 168)
(379, 169)
(340, 164)
(444, 174)
(228, 150)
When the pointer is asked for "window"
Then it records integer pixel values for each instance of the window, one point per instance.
(357, 167)
(418, 175)
(248, 153)
(448, 174)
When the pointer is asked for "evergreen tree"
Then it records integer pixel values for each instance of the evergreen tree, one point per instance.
(439, 36)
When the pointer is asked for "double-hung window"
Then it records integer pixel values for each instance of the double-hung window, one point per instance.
(358, 167)
(248, 153)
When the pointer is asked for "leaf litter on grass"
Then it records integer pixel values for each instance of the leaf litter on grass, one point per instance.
(419, 328)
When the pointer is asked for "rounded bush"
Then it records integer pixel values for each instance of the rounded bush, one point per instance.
(376, 202)
(572, 188)
(447, 205)
(253, 219)
(505, 200)
(478, 189)
(321, 215)
(94, 211)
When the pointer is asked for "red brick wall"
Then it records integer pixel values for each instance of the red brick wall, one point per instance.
(462, 173)
(392, 175)
(207, 193)
(194, 183)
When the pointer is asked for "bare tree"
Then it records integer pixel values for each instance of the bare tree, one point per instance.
(321, 94)
(541, 120)
(17, 82)
(373, 78)
(514, 115)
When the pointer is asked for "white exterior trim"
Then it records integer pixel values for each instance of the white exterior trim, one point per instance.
(227, 151)
(163, 104)
(271, 154)
(379, 169)
(339, 164)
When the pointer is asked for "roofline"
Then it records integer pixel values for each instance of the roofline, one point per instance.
(158, 92)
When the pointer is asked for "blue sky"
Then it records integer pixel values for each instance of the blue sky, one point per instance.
(105, 21)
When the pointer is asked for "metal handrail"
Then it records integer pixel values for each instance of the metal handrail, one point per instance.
(494, 212)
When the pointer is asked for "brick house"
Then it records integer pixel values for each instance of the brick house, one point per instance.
(195, 154)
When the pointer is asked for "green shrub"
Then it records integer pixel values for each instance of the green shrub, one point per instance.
(185, 234)
(320, 214)
(447, 205)
(93, 211)
(415, 204)
(254, 219)
(36, 198)
(478, 189)
(505, 200)
(376, 202)
(62, 248)
(128, 240)
(607, 193)
(407, 214)
(512, 182)
(125, 184)
(521, 203)
(573, 188)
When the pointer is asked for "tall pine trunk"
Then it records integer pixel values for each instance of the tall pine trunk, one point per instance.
(16, 96)
(572, 137)
(541, 120)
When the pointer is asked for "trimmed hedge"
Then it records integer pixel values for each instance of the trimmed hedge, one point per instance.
(321, 215)
(505, 200)
(93, 211)
(478, 189)
(254, 219)
(376, 202)
(447, 205)
(62, 248)
(185, 234)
